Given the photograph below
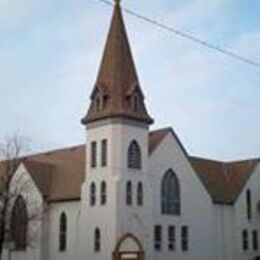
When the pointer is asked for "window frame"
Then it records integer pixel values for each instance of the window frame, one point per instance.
(134, 156)
(185, 238)
(249, 204)
(171, 238)
(129, 193)
(103, 193)
(170, 194)
(92, 194)
(63, 232)
(140, 194)
(97, 240)
(158, 233)
(255, 239)
(245, 240)
(104, 146)
(93, 156)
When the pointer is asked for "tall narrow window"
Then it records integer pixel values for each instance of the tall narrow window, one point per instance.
(93, 154)
(92, 194)
(249, 204)
(104, 153)
(18, 224)
(255, 240)
(129, 193)
(171, 238)
(158, 237)
(184, 238)
(103, 193)
(134, 158)
(139, 194)
(97, 240)
(170, 194)
(245, 240)
(63, 232)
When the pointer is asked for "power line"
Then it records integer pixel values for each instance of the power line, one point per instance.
(188, 36)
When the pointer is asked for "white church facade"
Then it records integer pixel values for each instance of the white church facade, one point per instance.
(129, 193)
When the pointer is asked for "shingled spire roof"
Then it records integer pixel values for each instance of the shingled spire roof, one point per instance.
(117, 92)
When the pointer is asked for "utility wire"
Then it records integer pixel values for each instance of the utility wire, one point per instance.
(188, 36)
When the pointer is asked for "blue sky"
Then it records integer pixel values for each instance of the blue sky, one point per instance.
(50, 52)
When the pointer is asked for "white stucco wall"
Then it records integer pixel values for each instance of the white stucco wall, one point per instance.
(196, 205)
(115, 219)
(72, 212)
(240, 220)
(214, 230)
(23, 185)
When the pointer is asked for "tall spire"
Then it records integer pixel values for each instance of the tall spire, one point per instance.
(117, 92)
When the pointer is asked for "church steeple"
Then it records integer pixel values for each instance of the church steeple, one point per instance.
(117, 92)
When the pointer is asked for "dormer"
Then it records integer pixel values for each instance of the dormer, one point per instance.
(135, 98)
(98, 100)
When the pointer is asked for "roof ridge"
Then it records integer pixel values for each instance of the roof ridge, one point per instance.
(206, 159)
(253, 159)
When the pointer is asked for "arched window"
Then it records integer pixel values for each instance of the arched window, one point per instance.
(92, 194)
(134, 158)
(103, 193)
(63, 232)
(249, 204)
(129, 193)
(19, 222)
(170, 194)
(97, 240)
(139, 194)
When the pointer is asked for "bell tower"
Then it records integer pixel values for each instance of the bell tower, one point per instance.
(117, 124)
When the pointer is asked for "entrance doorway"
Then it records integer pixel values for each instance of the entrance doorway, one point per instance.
(128, 248)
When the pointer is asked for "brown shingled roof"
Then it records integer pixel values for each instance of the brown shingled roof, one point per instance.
(155, 138)
(223, 180)
(59, 174)
(238, 174)
(117, 79)
(66, 172)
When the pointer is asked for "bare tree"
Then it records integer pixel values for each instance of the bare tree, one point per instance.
(11, 151)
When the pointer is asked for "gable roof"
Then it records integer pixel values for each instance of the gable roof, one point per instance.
(223, 180)
(59, 174)
(66, 172)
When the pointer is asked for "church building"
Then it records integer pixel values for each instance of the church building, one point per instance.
(129, 193)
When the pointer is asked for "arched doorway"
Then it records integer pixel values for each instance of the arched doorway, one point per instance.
(128, 248)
